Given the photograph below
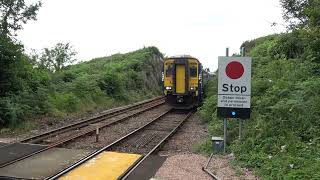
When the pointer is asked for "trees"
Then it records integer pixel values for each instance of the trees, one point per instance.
(303, 17)
(15, 13)
(301, 13)
(10, 55)
(56, 58)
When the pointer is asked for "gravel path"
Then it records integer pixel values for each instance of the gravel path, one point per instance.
(220, 166)
(192, 132)
(184, 167)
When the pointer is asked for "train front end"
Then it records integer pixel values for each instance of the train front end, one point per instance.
(182, 82)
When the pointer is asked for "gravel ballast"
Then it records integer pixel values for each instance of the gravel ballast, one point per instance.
(114, 132)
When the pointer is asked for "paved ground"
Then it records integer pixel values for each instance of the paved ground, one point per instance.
(148, 168)
(17, 150)
(44, 164)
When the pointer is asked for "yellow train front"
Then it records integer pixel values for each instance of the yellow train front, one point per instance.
(182, 81)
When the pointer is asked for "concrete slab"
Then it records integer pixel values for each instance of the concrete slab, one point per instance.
(2, 144)
(148, 168)
(44, 164)
(17, 150)
(106, 165)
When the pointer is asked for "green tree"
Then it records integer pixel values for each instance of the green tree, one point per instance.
(57, 57)
(15, 13)
(301, 13)
(10, 57)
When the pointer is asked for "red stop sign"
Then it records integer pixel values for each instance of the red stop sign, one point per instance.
(234, 70)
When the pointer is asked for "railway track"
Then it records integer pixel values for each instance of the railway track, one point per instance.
(144, 140)
(82, 128)
(67, 133)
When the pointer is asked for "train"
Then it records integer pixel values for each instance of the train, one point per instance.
(182, 81)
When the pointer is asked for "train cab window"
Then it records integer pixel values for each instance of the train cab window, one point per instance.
(193, 71)
(169, 70)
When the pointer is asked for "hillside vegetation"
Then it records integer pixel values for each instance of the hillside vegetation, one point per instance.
(100, 83)
(282, 138)
(50, 85)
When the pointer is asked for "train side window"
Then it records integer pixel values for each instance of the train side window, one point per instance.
(169, 70)
(193, 71)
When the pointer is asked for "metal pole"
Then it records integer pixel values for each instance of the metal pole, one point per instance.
(242, 51)
(97, 133)
(240, 120)
(225, 121)
(224, 135)
(227, 52)
(240, 129)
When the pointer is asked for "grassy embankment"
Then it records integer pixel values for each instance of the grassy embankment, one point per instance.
(97, 84)
(282, 139)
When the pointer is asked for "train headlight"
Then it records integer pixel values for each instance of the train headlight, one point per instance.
(193, 88)
(168, 88)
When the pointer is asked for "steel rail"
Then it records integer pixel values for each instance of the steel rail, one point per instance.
(95, 153)
(62, 141)
(103, 126)
(129, 171)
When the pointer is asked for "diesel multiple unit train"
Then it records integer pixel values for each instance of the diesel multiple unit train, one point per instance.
(182, 81)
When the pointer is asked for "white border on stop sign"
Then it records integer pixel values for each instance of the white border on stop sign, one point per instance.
(244, 80)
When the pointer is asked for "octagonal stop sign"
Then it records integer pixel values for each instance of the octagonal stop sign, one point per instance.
(234, 87)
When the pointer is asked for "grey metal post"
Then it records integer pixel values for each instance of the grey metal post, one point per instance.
(97, 133)
(225, 121)
(224, 135)
(227, 52)
(242, 51)
(240, 120)
(240, 129)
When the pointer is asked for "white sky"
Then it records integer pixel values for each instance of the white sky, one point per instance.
(202, 28)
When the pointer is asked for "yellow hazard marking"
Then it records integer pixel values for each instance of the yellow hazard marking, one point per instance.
(107, 165)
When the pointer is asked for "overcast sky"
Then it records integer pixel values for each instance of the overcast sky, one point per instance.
(201, 28)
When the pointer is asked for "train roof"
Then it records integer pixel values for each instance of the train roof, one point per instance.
(182, 57)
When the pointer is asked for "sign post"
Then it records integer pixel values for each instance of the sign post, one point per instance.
(240, 120)
(225, 121)
(234, 89)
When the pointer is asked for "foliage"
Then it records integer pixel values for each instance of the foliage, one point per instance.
(14, 13)
(10, 53)
(281, 140)
(301, 13)
(101, 82)
(58, 57)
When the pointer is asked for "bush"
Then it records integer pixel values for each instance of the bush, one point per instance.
(111, 84)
